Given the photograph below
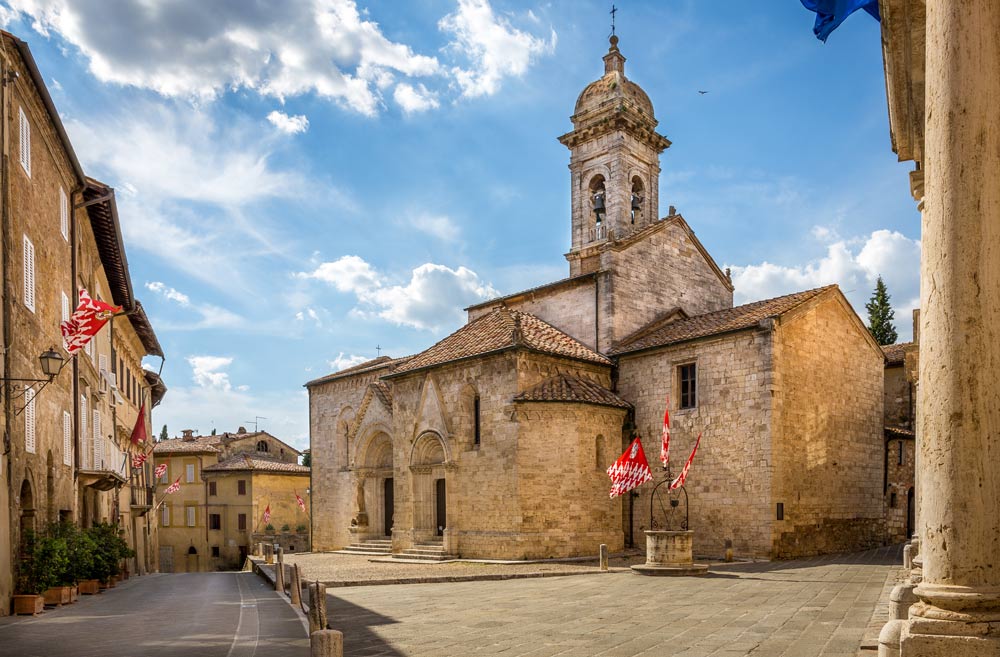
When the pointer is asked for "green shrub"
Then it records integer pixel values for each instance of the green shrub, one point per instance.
(301, 529)
(110, 549)
(269, 527)
(43, 562)
(285, 527)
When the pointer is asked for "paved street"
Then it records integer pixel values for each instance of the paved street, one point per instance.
(803, 608)
(190, 615)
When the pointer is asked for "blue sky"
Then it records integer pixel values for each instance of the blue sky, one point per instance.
(299, 185)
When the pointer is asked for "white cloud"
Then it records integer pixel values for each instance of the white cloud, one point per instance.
(290, 125)
(497, 49)
(192, 49)
(342, 362)
(308, 313)
(211, 316)
(433, 298)
(347, 274)
(205, 371)
(884, 253)
(414, 99)
(439, 226)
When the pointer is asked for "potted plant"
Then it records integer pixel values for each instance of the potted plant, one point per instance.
(41, 557)
(285, 527)
(269, 528)
(52, 559)
(67, 553)
(301, 529)
(82, 549)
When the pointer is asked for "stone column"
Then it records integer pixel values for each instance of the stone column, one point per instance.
(958, 614)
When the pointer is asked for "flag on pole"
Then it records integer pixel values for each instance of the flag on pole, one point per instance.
(682, 477)
(831, 13)
(301, 502)
(174, 487)
(630, 470)
(139, 430)
(160, 470)
(88, 318)
(138, 459)
(267, 514)
(665, 436)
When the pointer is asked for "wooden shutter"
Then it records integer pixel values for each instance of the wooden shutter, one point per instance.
(63, 214)
(165, 520)
(192, 518)
(98, 443)
(83, 433)
(29, 274)
(65, 307)
(29, 420)
(25, 141)
(67, 438)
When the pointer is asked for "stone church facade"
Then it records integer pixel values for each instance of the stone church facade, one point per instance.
(493, 443)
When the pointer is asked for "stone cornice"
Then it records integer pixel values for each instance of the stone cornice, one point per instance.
(639, 127)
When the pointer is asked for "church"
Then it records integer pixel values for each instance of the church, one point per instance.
(493, 443)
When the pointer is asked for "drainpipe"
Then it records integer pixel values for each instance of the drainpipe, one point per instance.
(5, 250)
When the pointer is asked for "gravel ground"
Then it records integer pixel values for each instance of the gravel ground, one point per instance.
(347, 569)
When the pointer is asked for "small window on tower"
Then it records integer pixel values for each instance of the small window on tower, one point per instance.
(475, 412)
(687, 377)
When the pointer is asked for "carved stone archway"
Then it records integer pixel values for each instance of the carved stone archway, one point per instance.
(430, 457)
(373, 481)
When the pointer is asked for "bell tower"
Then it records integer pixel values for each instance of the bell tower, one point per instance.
(614, 161)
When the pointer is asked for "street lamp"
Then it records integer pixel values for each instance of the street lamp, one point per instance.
(51, 361)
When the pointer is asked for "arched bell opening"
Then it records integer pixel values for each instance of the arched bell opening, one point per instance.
(638, 201)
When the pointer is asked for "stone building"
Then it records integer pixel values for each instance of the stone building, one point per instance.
(494, 441)
(900, 399)
(65, 439)
(226, 483)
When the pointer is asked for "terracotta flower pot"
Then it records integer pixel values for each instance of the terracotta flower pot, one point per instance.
(29, 604)
(58, 596)
(74, 593)
(89, 587)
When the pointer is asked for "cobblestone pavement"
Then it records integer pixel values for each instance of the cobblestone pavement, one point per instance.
(804, 608)
(189, 615)
(354, 570)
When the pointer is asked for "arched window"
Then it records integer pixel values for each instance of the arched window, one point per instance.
(598, 201)
(261, 445)
(638, 200)
(476, 422)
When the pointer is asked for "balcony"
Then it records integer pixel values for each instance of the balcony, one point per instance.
(142, 499)
(598, 233)
(103, 467)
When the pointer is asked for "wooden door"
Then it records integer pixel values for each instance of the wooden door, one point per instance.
(387, 492)
(442, 511)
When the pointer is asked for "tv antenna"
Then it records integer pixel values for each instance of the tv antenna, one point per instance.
(256, 418)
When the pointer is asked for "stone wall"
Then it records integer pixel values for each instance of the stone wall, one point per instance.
(898, 397)
(899, 473)
(827, 438)
(730, 481)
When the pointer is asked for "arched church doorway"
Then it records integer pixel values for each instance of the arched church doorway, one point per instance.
(428, 479)
(376, 500)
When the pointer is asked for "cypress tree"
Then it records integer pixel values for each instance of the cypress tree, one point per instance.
(163, 433)
(880, 315)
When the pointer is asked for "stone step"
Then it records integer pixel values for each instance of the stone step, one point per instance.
(422, 556)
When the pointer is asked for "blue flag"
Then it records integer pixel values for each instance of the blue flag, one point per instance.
(831, 13)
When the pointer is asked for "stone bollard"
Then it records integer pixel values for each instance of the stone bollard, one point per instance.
(326, 643)
(604, 557)
(296, 591)
(268, 553)
(317, 607)
(279, 572)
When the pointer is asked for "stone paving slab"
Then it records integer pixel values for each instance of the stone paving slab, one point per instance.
(804, 608)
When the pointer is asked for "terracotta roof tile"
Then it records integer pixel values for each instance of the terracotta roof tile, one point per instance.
(384, 392)
(899, 432)
(714, 323)
(198, 444)
(896, 353)
(563, 388)
(256, 462)
(361, 368)
(499, 330)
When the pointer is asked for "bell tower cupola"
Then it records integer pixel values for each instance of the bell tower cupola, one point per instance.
(614, 159)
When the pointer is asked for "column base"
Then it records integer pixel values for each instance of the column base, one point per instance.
(933, 638)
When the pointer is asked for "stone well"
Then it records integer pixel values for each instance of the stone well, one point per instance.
(670, 553)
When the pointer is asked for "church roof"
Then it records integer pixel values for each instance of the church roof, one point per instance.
(564, 388)
(500, 330)
(895, 353)
(613, 87)
(361, 368)
(671, 330)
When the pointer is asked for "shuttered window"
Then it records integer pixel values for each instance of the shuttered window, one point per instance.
(65, 307)
(241, 519)
(192, 516)
(67, 438)
(165, 518)
(83, 433)
(189, 472)
(29, 420)
(98, 442)
(29, 274)
(63, 214)
(25, 141)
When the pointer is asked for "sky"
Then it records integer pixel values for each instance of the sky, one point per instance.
(306, 185)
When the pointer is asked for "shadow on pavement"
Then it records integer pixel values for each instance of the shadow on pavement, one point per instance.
(891, 555)
(358, 623)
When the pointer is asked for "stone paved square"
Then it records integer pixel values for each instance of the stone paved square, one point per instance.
(803, 608)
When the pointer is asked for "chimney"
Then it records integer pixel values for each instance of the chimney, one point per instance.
(188, 434)
(241, 430)
(916, 325)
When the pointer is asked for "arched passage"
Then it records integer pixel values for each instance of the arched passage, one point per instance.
(27, 515)
(429, 482)
(376, 499)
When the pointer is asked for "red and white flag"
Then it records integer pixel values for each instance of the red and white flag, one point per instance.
(630, 470)
(174, 487)
(665, 436)
(138, 459)
(88, 318)
(160, 470)
(301, 502)
(267, 513)
(139, 430)
(682, 477)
